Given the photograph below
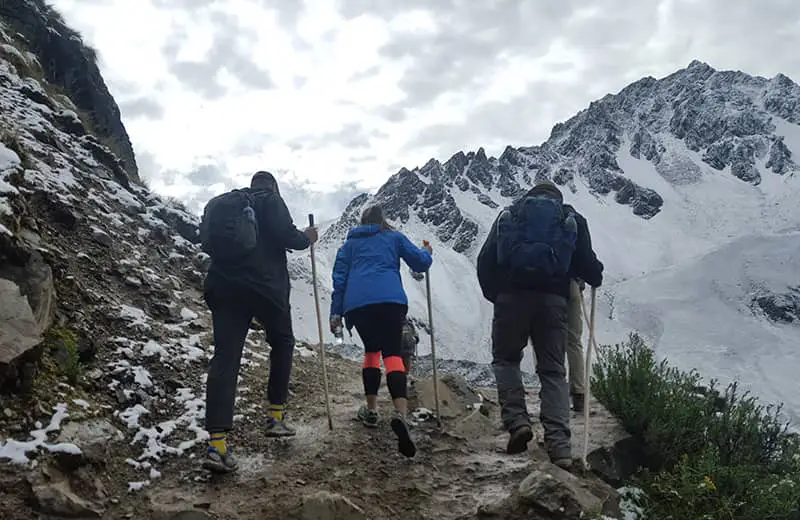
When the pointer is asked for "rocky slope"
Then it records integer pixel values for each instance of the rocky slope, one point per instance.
(104, 342)
(667, 171)
(59, 56)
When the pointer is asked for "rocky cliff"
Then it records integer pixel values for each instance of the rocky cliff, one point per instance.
(68, 64)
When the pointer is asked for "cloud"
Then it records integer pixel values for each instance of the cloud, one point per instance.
(339, 95)
(228, 52)
(353, 136)
(142, 106)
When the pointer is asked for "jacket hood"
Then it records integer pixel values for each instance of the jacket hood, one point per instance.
(364, 230)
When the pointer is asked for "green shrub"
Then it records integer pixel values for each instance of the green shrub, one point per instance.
(63, 346)
(708, 454)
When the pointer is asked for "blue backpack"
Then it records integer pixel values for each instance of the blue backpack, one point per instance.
(229, 229)
(536, 238)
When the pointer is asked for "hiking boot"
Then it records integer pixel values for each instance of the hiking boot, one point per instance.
(219, 463)
(405, 444)
(564, 463)
(519, 439)
(276, 428)
(577, 402)
(368, 418)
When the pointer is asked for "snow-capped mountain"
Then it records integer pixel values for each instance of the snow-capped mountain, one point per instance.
(690, 185)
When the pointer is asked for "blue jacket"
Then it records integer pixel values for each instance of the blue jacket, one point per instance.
(367, 268)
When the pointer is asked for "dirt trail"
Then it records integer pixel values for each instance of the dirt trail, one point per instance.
(456, 468)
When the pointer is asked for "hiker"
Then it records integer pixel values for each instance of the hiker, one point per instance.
(247, 233)
(533, 250)
(575, 359)
(368, 293)
(410, 342)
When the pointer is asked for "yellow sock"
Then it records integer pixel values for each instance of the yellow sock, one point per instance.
(276, 411)
(219, 442)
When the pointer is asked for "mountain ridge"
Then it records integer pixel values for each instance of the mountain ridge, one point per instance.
(666, 171)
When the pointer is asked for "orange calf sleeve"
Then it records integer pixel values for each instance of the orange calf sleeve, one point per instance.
(372, 360)
(394, 364)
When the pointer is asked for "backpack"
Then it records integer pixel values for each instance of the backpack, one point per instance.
(229, 229)
(536, 238)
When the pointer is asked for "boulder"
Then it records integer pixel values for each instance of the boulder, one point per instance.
(553, 493)
(92, 437)
(101, 237)
(58, 498)
(19, 330)
(614, 464)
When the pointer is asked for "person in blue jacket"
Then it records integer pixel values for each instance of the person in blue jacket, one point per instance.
(368, 293)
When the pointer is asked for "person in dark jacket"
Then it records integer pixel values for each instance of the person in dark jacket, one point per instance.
(255, 287)
(368, 292)
(536, 311)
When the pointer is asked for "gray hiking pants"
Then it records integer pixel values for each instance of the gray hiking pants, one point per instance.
(575, 359)
(542, 318)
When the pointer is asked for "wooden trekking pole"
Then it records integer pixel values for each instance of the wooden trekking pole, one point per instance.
(433, 344)
(588, 376)
(319, 327)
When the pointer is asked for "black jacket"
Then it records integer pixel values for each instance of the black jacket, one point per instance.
(264, 271)
(585, 266)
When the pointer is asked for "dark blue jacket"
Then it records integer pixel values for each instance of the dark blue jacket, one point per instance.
(367, 268)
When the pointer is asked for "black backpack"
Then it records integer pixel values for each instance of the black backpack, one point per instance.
(229, 229)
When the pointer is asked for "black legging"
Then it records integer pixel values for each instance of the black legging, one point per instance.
(380, 327)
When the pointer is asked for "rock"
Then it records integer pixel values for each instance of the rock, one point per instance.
(67, 63)
(553, 490)
(324, 505)
(57, 498)
(92, 437)
(133, 281)
(553, 493)
(19, 330)
(201, 261)
(182, 222)
(69, 122)
(101, 237)
(616, 463)
(452, 405)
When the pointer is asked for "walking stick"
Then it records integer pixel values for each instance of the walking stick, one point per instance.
(319, 327)
(433, 346)
(588, 376)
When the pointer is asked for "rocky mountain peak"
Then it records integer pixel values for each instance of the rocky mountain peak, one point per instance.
(693, 118)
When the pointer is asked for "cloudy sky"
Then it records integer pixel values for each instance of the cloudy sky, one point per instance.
(335, 96)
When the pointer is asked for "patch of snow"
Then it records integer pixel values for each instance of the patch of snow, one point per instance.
(8, 158)
(188, 314)
(136, 486)
(13, 51)
(136, 316)
(82, 403)
(153, 348)
(16, 451)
